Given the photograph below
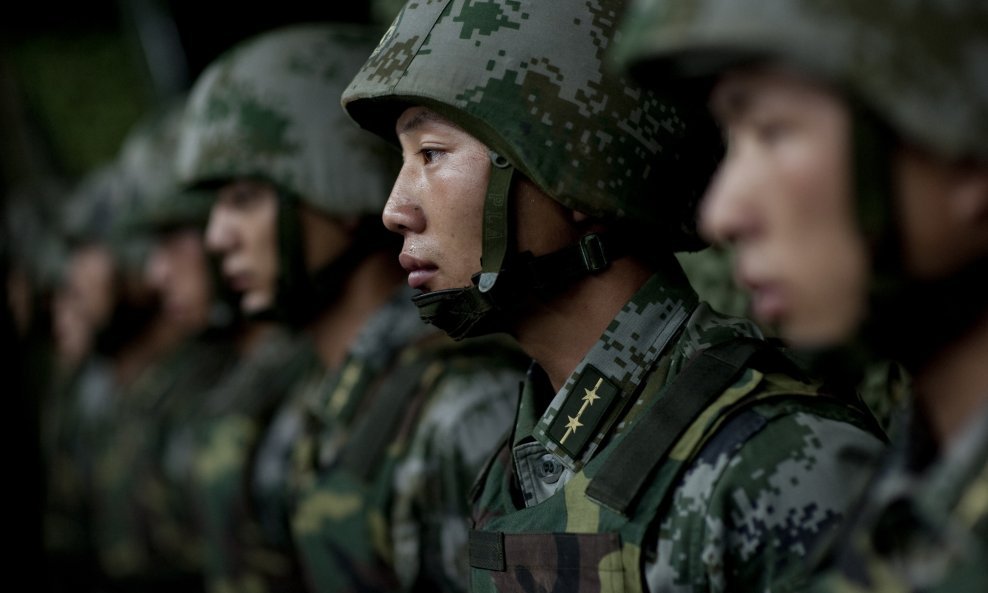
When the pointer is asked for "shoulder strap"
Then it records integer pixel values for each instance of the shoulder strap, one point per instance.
(377, 429)
(705, 377)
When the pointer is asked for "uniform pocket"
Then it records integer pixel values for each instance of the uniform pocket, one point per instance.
(537, 562)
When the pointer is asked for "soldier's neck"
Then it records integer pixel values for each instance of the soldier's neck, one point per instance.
(558, 334)
(371, 284)
(952, 388)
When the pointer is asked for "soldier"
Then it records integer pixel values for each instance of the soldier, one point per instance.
(105, 332)
(543, 197)
(141, 525)
(854, 194)
(180, 271)
(393, 418)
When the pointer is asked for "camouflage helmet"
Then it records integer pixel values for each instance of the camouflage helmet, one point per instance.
(921, 66)
(530, 80)
(268, 109)
(31, 224)
(91, 215)
(154, 200)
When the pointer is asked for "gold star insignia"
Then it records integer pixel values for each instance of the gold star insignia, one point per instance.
(571, 426)
(591, 394)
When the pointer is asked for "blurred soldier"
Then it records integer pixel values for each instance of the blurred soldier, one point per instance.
(855, 195)
(104, 332)
(145, 531)
(299, 191)
(658, 444)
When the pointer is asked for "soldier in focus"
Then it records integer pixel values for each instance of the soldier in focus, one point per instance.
(296, 220)
(659, 445)
(854, 194)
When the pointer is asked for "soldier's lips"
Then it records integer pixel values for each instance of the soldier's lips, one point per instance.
(768, 301)
(239, 282)
(420, 272)
(419, 278)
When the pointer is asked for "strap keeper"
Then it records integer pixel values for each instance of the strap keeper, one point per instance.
(593, 253)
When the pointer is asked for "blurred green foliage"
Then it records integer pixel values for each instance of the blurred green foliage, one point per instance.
(84, 90)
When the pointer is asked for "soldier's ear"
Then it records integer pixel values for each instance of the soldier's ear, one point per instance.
(577, 216)
(970, 195)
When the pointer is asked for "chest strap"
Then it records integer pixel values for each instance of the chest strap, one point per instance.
(379, 426)
(697, 386)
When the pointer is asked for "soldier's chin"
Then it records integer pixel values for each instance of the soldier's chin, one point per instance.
(255, 302)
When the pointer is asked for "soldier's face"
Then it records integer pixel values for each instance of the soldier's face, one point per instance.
(91, 282)
(437, 201)
(243, 230)
(178, 270)
(782, 199)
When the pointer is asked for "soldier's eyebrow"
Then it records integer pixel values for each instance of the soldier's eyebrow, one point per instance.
(729, 100)
(420, 118)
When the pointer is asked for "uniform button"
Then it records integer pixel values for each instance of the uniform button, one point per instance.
(549, 469)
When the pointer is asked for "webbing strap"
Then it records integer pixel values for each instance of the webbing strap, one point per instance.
(496, 223)
(377, 430)
(486, 550)
(703, 379)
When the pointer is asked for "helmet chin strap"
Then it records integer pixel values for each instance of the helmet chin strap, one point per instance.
(301, 294)
(506, 281)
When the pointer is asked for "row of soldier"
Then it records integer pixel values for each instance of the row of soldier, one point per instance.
(512, 384)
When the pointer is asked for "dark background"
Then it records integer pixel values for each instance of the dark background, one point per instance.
(74, 76)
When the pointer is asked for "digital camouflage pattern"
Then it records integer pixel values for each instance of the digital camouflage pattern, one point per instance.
(546, 102)
(924, 526)
(765, 472)
(394, 443)
(238, 411)
(892, 54)
(268, 109)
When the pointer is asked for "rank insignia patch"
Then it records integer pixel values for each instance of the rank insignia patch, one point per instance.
(586, 406)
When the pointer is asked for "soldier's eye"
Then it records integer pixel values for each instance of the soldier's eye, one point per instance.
(770, 132)
(430, 154)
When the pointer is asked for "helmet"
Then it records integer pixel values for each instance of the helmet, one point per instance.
(530, 80)
(155, 201)
(33, 241)
(92, 214)
(268, 109)
(921, 66)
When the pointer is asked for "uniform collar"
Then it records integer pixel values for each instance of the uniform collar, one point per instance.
(602, 384)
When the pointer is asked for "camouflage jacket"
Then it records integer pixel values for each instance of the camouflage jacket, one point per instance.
(236, 554)
(75, 421)
(399, 437)
(735, 505)
(144, 526)
(923, 523)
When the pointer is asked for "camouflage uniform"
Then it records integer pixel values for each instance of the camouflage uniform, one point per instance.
(399, 375)
(582, 496)
(145, 527)
(80, 418)
(923, 522)
(240, 467)
(391, 514)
